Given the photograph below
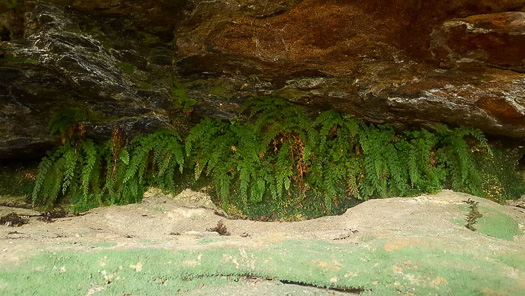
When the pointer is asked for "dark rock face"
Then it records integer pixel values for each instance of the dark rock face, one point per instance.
(61, 59)
(405, 62)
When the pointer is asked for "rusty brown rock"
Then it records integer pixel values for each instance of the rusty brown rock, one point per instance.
(494, 39)
(283, 38)
(368, 58)
(493, 100)
(312, 38)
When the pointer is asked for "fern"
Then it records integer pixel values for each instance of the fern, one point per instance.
(154, 156)
(51, 174)
(335, 162)
(88, 166)
(224, 150)
(425, 174)
(76, 168)
(180, 99)
(284, 131)
(377, 148)
(63, 122)
(283, 172)
(272, 152)
(276, 116)
(71, 159)
(43, 169)
(456, 155)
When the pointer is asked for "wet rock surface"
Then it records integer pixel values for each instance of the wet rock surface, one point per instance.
(61, 60)
(407, 63)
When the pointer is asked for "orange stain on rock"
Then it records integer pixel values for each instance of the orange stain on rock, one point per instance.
(502, 110)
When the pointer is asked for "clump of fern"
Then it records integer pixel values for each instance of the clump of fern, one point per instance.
(425, 172)
(273, 154)
(358, 160)
(111, 172)
(420, 161)
(153, 159)
(384, 173)
(456, 151)
(180, 99)
(67, 122)
(261, 157)
(399, 164)
(228, 152)
(67, 169)
(336, 166)
(287, 138)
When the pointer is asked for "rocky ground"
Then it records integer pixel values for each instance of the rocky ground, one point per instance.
(405, 246)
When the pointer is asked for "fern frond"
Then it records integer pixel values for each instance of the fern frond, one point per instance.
(43, 169)
(50, 175)
(70, 163)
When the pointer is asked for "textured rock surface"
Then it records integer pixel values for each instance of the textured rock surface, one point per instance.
(60, 58)
(494, 39)
(416, 246)
(367, 58)
(408, 63)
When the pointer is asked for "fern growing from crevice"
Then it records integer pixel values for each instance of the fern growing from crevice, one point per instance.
(107, 173)
(229, 153)
(456, 156)
(66, 122)
(60, 171)
(261, 157)
(272, 152)
(381, 161)
(424, 171)
(336, 165)
(287, 137)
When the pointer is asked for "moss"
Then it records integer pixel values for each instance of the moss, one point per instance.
(104, 245)
(501, 177)
(493, 223)
(378, 267)
(223, 89)
(126, 68)
(291, 94)
(220, 87)
(291, 209)
(144, 85)
(210, 240)
(149, 39)
(17, 60)
(498, 225)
